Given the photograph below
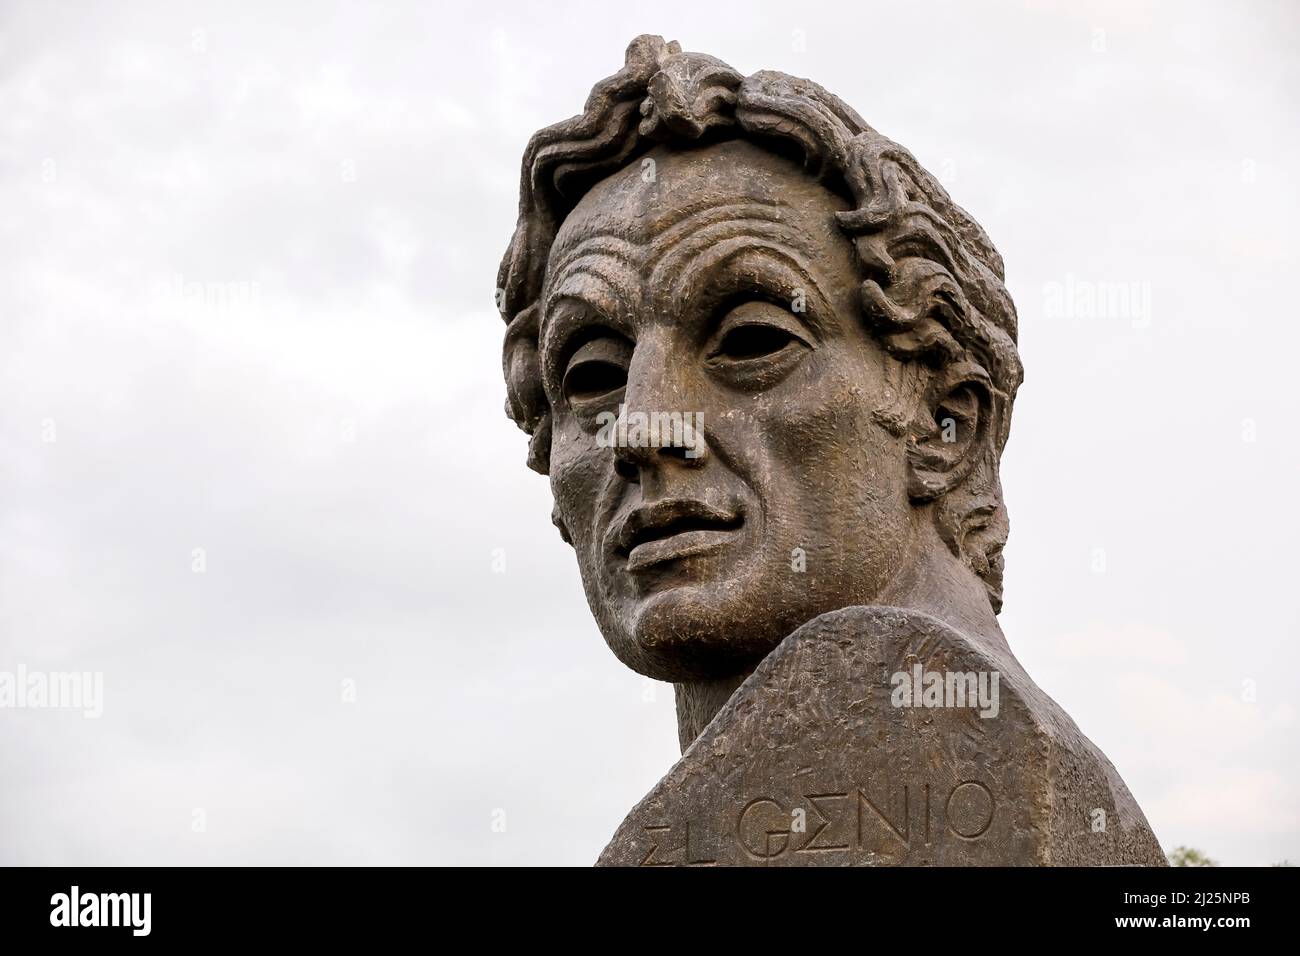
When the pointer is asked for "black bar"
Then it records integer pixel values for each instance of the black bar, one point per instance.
(334, 905)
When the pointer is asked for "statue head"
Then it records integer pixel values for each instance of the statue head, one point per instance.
(763, 357)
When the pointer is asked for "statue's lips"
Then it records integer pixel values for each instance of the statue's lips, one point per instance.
(668, 530)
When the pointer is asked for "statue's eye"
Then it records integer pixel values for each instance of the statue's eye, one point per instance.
(752, 341)
(757, 344)
(597, 370)
(593, 379)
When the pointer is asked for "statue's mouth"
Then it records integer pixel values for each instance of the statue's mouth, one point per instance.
(668, 530)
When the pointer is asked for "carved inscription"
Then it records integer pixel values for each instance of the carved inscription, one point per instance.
(669, 849)
(854, 822)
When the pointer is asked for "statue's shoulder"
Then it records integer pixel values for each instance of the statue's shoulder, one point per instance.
(883, 736)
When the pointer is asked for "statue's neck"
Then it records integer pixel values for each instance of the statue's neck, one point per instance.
(933, 580)
(698, 702)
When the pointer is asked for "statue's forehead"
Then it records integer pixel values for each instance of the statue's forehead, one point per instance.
(648, 198)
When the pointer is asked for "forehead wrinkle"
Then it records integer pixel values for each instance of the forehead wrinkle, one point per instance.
(681, 259)
(672, 228)
(599, 240)
(762, 221)
(601, 243)
(664, 233)
(599, 256)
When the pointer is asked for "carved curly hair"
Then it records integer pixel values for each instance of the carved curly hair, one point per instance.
(933, 290)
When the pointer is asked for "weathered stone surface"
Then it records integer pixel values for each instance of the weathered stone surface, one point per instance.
(769, 365)
(810, 763)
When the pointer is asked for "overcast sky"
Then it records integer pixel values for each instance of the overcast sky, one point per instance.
(253, 460)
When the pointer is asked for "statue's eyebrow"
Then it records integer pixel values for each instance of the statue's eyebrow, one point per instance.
(595, 281)
(787, 272)
(609, 260)
(699, 252)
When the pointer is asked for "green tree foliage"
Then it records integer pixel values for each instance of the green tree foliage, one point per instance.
(1190, 856)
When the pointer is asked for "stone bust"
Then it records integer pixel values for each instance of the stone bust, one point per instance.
(828, 347)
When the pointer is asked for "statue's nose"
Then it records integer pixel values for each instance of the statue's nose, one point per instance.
(665, 428)
(633, 461)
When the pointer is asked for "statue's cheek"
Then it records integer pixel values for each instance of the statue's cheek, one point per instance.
(580, 475)
(810, 424)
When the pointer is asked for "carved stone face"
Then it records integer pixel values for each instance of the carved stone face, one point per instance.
(716, 282)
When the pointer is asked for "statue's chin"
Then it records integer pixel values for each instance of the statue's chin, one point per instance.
(684, 634)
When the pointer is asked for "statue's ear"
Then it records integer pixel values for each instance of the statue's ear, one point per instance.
(951, 431)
